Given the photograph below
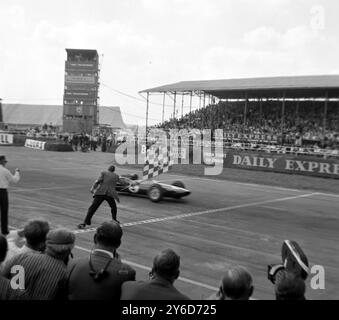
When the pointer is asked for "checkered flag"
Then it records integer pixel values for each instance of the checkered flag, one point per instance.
(157, 162)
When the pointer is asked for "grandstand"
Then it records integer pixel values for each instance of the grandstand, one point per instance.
(301, 111)
(24, 116)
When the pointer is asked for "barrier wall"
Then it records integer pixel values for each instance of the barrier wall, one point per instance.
(35, 144)
(305, 165)
(250, 160)
(6, 139)
(261, 161)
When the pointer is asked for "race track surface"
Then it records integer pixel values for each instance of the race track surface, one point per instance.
(221, 223)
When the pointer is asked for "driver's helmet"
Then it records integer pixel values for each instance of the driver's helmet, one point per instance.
(134, 177)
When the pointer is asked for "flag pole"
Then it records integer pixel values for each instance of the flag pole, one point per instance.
(147, 108)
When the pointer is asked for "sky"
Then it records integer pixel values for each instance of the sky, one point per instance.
(148, 43)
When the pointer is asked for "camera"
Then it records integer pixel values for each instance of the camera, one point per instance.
(272, 270)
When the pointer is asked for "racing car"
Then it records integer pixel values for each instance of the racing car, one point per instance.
(155, 190)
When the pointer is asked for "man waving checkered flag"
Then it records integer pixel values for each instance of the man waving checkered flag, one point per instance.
(157, 162)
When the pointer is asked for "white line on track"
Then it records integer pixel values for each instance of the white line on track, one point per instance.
(186, 215)
(266, 186)
(45, 188)
(253, 185)
(329, 194)
(140, 266)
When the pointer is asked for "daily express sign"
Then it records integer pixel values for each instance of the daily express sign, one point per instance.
(285, 163)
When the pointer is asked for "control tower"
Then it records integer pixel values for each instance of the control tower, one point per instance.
(80, 106)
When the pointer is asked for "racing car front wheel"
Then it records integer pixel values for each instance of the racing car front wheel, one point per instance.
(178, 184)
(155, 193)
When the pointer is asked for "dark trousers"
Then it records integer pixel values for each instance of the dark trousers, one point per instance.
(4, 211)
(97, 201)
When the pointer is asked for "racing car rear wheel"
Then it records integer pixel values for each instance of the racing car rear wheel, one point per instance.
(178, 184)
(155, 193)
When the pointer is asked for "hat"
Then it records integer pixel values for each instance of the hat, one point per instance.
(3, 158)
(60, 240)
(294, 258)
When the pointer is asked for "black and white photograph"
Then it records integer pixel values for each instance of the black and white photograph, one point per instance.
(167, 150)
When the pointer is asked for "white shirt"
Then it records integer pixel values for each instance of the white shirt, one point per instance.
(16, 245)
(6, 177)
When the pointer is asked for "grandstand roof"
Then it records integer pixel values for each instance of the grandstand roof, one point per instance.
(29, 114)
(272, 87)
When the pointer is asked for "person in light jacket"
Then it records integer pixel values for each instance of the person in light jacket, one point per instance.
(5, 178)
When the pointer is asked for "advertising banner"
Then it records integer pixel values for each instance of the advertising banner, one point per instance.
(35, 144)
(6, 138)
(252, 137)
(305, 165)
(212, 157)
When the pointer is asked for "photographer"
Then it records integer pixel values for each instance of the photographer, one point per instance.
(289, 276)
(288, 286)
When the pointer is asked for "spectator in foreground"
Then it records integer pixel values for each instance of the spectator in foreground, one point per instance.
(289, 286)
(46, 274)
(6, 291)
(34, 232)
(237, 284)
(160, 286)
(100, 277)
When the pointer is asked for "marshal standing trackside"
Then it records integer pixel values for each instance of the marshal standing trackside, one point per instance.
(5, 178)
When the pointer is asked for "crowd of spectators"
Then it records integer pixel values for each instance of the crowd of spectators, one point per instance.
(79, 141)
(302, 125)
(52, 273)
(103, 139)
(85, 142)
(44, 131)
